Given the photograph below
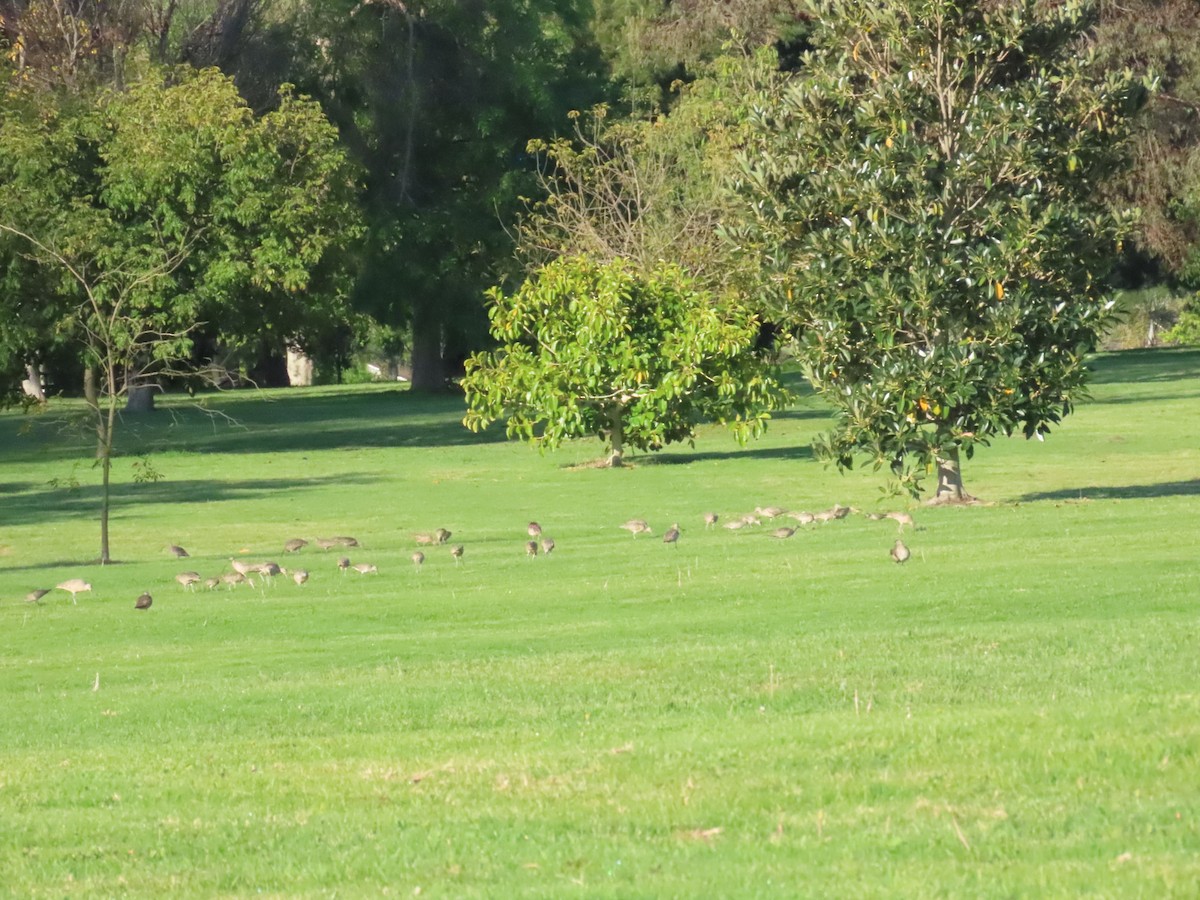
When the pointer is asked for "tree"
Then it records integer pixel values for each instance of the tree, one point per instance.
(436, 100)
(153, 210)
(599, 349)
(924, 198)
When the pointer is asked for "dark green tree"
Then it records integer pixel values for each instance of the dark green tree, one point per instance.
(924, 198)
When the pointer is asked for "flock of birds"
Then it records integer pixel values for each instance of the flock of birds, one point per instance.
(538, 543)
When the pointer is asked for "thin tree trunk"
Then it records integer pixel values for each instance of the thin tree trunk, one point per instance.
(950, 484)
(427, 374)
(616, 437)
(104, 429)
(33, 385)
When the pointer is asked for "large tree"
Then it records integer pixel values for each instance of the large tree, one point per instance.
(925, 196)
(153, 210)
(636, 358)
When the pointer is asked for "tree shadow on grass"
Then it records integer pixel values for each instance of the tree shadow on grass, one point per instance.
(1120, 492)
(681, 459)
(41, 506)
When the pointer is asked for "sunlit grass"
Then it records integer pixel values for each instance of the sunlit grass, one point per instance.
(1014, 712)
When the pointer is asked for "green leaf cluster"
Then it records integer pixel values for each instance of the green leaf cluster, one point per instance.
(634, 358)
(924, 199)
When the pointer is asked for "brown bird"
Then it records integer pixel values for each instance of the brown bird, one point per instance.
(456, 551)
(327, 543)
(268, 570)
(346, 541)
(417, 559)
(294, 545)
(710, 519)
(243, 568)
(671, 535)
(783, 532)
(531, 549)
(177, 551)
(534, 529)
(143, 602)
(233, 579)
(424, 540)
(637, 526)
(442, 535)
(751, 519)
(366, 569)
(212, 583)
(343, 563)
(300, 576)
(768, 512)
(547, 545)
(188, 579)
(35, 596)
(840, 512)
(734, 525)
(901, 519)
(900, 552)
(804, 518)
(74, 586)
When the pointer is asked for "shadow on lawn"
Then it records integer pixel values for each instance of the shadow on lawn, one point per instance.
(1121, 492)
(37, 506)
(682, 459)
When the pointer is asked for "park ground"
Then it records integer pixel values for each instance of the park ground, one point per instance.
(1014, 712)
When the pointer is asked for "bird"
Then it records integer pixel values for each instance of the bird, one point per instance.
(531, 549)
(547, 545)
(783, 532)
(417, 559)
(900, 551)
(734, 525)
(637, 526)
(840, 512)
(177, 551)
(901, 519)
(143, 602)
(327, 543)
(346, 541)
(710, 519)
(366, 569)
(294, 545)
(751, 519)
(300, 576)
(211, 583)
(343, 563)
(35, 596)
(804, 518)
(268, 570)
(671, 535)
(456, 551)
(534, 529)
(188, 579)
(233, 579)
(74, 586)
(243, 568)
(442, 535)
(424, 540)
(827, 515)
(768, 512)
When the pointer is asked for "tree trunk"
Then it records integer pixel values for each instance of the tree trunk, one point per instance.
(427, 374)
(91, 394)
(950, 485)
(616, 437)
(33, 385)
(140, 398)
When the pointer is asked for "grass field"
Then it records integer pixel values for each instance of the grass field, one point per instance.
(1015, 712)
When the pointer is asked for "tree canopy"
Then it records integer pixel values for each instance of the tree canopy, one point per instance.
(635, 358)
(925, 198)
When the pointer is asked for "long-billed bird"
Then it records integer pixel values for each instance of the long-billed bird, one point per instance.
(366, 569)
(143, 602)
(900, 551)
(35, 596)
(637, 526)
(295, 545)
(671, 535)
(531, 549)
(188, 580)
(343, 563)
(533, 529)
(901, 519)
(300, 576)
(418, 558)
(710, 519)
(783, 532)
(74, 586)
(456, 551)
(547, 545)
(178, 552)
(442, 535)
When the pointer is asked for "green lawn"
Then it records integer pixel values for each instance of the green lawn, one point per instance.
(1015, 712)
